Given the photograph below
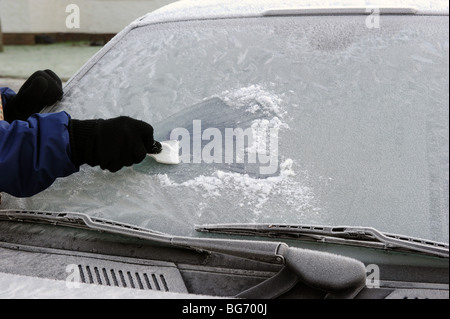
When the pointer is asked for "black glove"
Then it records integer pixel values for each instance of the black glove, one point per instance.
(42, 89)
(112, 143)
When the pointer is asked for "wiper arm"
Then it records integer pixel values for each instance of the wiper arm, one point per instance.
(361, 236)
(83, 221)
(347, 279)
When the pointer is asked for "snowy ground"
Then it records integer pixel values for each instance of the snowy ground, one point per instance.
(17, 63)
(14, 84)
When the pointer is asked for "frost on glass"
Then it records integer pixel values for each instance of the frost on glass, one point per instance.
(361, 117)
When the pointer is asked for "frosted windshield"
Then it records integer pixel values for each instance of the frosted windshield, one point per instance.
(359, 118)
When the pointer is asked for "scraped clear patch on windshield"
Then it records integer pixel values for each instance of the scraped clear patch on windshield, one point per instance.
(234, 131)
(229, 147)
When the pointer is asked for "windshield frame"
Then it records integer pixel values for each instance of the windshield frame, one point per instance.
(90, 64)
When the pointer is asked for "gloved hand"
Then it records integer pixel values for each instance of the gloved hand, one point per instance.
(112, 143)
(41, 89)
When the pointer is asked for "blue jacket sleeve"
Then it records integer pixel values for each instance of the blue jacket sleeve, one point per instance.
(34, 153)
(6, 94)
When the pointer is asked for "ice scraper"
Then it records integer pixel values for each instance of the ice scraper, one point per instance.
(169, 153)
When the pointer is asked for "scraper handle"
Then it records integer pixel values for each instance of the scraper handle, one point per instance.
(169, 153)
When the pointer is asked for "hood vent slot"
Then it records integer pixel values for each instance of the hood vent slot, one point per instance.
(141, 277)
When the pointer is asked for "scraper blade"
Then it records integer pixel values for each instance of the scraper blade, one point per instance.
(169, 153)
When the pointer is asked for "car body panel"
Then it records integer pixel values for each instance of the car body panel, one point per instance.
(174, 200)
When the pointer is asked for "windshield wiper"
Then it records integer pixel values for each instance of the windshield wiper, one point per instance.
(346, 280)
(349, 235)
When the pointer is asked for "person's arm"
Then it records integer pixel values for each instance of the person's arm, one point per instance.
(34, 153)
(7, 94)
(41, 89)
(36, 150)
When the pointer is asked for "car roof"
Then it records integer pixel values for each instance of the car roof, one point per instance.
(220, 9)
